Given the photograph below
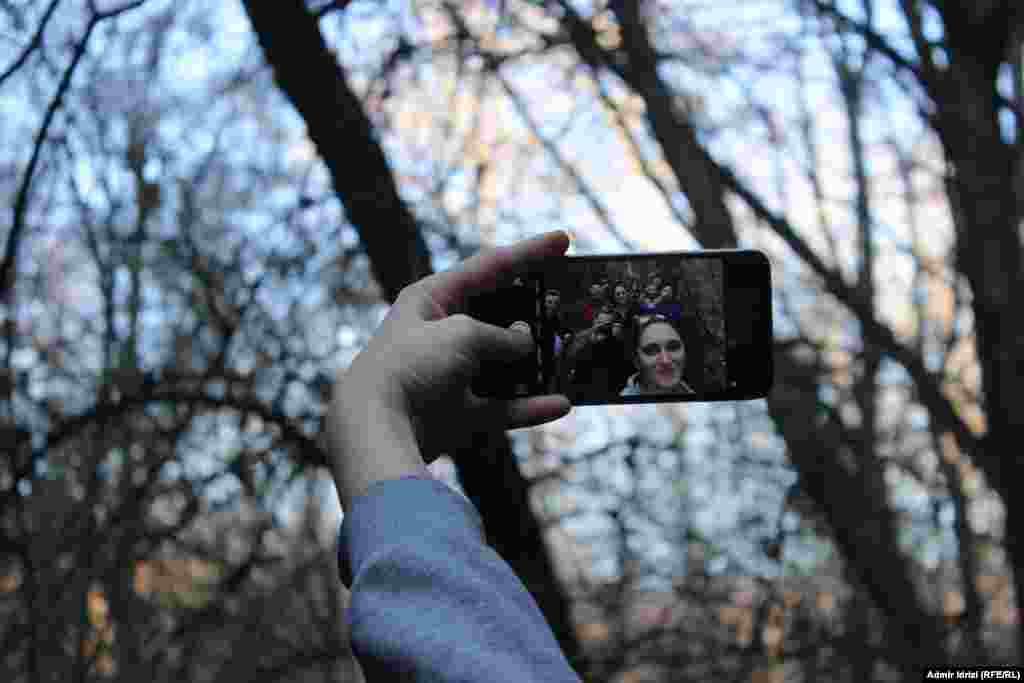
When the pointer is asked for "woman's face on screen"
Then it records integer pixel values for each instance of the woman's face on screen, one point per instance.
(660, 357)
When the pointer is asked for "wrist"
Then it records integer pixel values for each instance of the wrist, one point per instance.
(372, 441)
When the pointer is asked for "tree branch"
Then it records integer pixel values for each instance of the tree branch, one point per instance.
(186, 388)
(588, 194)
(928, 383)
(334, 6)
(871, 37)
(634, 148)
(37, 39)
(110, 13)
(337, 124)
(689, 160)
(584, 39)
(930, 73)
(7, 268)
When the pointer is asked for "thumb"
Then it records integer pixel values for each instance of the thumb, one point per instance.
(488, 343)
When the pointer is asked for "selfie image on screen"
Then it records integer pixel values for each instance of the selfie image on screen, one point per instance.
(634, 327)
(610, 329)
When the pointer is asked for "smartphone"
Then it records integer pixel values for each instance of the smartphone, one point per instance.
(636, 328)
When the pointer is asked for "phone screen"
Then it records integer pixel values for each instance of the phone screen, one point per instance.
(640, 328)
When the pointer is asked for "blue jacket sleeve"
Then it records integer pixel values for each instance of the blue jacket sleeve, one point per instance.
(431, 601)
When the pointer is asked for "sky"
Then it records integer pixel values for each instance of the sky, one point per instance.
(639, 210)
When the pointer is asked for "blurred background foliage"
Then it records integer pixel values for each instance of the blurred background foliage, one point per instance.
(209, 206)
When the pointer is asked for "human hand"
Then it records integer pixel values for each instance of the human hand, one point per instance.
(589, 336)
(521, 326)
(405, 399)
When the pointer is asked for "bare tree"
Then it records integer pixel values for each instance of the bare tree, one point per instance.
(871, 549)
(371, 200)
(98, 487)
(99, 416)
(840, 459)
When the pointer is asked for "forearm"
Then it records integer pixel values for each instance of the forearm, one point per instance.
(431, 602)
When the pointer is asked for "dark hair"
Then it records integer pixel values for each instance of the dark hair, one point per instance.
(608, 309)
(553, 291)
(656, 318)
(693, 345)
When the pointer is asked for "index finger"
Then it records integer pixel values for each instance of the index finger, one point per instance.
(447, 291)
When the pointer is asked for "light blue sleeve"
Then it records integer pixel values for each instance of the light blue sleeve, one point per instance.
(431, 601)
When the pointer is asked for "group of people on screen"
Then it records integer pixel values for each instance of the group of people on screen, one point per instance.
(623, 340)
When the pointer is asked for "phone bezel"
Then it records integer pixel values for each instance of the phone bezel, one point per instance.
(740, 267)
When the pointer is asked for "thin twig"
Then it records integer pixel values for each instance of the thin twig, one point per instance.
(871, 37)
(8, 267)
(21, 200)
(634, 147)
(585, 190)
(110, 13)
(37, 39)
(334, 6)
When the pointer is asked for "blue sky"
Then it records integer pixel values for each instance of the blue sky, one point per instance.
(635, 205)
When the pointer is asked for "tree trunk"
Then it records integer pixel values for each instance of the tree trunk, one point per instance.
(315, 83)
(987, 217)
(862, 523)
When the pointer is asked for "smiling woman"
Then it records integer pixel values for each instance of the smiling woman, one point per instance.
(659, 354)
